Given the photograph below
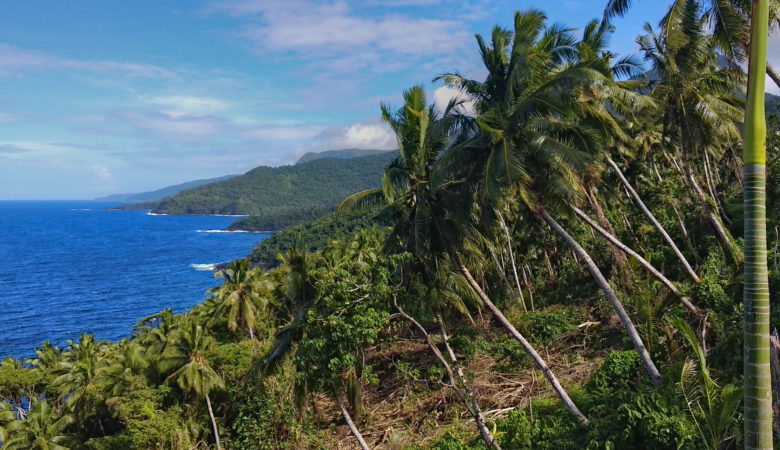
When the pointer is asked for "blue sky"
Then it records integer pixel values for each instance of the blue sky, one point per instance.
(107, 96)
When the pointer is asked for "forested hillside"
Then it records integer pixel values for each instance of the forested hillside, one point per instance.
(347, 153)
(280, 190)
(565, 271)
(159, 194)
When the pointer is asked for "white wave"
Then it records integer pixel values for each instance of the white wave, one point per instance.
(81, 209)
(155, 214)
(222, 231)
(204, 267)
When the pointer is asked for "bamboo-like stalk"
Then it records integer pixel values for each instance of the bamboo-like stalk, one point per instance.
(758, 380)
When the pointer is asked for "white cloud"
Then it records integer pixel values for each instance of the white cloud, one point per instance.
(166, 126)
(102, 172)
(332, 36)
(184, 105)
(368, 134)
(14, 60)
(443, 95)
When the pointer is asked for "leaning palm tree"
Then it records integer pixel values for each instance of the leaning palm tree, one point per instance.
(533, 139)
(758, 387)
(240, 297)
(186, 362)
(698, 100)
(44, 429)
(428, 207)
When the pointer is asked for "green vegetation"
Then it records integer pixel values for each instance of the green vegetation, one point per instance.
(562, 271)
(313, 235)
(155, 196)
(268, 191)
(280, 219)
(347, 153)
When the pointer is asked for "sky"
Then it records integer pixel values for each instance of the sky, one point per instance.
(107, 96)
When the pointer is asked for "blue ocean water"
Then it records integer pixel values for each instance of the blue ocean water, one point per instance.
(68, 267)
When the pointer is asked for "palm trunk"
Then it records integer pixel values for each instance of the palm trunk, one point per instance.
(650, 268)
(720, 230)
(487, 436)
(350, 423)
(655, 222)
(758, 380)
(458, 384)
(611, 296)
(540, 363)
(213, 422)
(512, 260)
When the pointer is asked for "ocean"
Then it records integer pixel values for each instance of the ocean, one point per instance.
(68, 267)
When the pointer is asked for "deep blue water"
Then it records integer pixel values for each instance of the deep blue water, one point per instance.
(69, 267)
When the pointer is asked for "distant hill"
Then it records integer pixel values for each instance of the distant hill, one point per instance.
(266, 191)
(159, 194)
(348, 153)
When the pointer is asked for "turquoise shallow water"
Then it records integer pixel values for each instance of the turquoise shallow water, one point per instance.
(69, 266)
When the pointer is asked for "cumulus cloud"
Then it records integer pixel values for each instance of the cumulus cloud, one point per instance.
(102, 172)
(368, 134)
(14, 60)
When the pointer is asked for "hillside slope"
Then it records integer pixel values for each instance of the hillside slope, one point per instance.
(276, 190)
(159, 194)
(347, 153)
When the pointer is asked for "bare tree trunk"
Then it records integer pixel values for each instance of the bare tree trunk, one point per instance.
(486, 434)
(512, 260)
(720, 231)
(620, 268)
(350, 423)
(528, 285)
(540, 363)
(709, 177)
(611, 296)
(646, 264)
(655, 222)
(457, 384)
(213, 422)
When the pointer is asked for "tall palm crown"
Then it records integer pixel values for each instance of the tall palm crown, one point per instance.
(185, 357)
(530, 135)
(696, 95)
(79, 369)
(240, 297)
(411, 188)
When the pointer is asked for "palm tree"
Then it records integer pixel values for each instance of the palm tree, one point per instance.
(78, 383)
(44, 429)
(191, 371)
(728, 20)
(240, 296)
(428, 212)
(155, 331)
(126, 362)
(698, 102)
(534, 138)
(758, 387)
